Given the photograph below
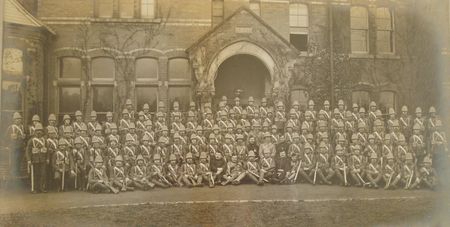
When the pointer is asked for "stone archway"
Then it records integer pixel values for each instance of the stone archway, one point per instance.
(244, 72)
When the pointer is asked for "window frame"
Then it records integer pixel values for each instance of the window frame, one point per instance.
(141, 8)
(132, 9)
(155, 86)
(366, 30)
(143, 80)
(300, 30)
(58, 91)
(104, 81)
(217, 19)
(91, 99)
(368, 92)
(179, 81)
(391, 30)
(98, 3)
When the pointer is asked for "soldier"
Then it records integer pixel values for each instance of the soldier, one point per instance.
(372, 116)
(267, 146)
(157, 175)
(66, 125)
(357, 164)
(190, 174)
(161, 148)
(439, 147)
(145, 149)
(140, 175)
(427, 175)
(63, 165)
(78, 123)
(130, 108)
(119, 175)
(98, 181)
(432, 118)
(177, 148)
(390, 173)
(173, 171)
(340, 166)
(218, 166)
(263, 108)
(38, 160)
(34, 121)
(52, 147)
(252, 169)
(373, 171)
(309, 166)
(129, 151)
(405, 122)
(324, 170)
(267, 164)
(124, 122)
(15, 140)
(419, 119)
(327, 110)
(108, 123)
(80, 163)
(146, 110)
(408, 172)
(52, 122)
(95, 151)
(280, 117)
(92, 124)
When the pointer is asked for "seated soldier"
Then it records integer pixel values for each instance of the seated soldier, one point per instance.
(157, 175)
(267, 167)
(252, 169)
(172, 171)
(204, 170)
(391, 175)
(139, 175)
(217, 166)
(282, 167)
(234, 171)
(427, 174)
(373, 171)
(98, 179)
(119, 176)
(309, 165)
(189, 173)
(340, 166)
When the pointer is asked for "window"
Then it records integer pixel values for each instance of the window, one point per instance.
(359, 24)
(126, 8)
(105, 8)
(103, 98)
(180, 94)
(299, 22)
(301, 96)
(11, 95)
(385, 31)
(255, 6)
(70, 67)
(146, 68)
(147, 8)
(13, 61)
(69, 99)
(103, 68)
(387, 100)
(147, 95)
(362, 98)
(179, 69)
(217, 11)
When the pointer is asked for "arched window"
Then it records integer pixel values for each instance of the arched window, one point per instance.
(299, 23)
(147, 8)
(359, 24)
(146, 68)
(103, 68)
(70, 68)
(179, 69)
(385, 31)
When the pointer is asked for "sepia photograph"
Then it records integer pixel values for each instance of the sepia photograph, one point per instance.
(224, 112)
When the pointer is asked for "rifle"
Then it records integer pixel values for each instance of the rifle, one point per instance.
(345, 175)
(298, 170)
(256, 175)
(410, 179)
(63, 173)
(360, 178)
(315, 172)
(76, 174)
(389, 181)
(32, 177)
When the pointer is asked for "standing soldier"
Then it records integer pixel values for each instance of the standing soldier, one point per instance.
(146, 110)
(80, 164)
(38, 159)
(130, 108)
(419, 119)
(280, 117)
(92, 124)
(34, 121)
(372, 115)
(78, 123)
(327, 110)
(405, 122)
(63, 165)
(65, 126)
(15, 141)
(263, 108)
(52, 122)
(439, 148)
(52, 147)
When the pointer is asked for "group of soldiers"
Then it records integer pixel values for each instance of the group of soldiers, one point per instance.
(261, 144)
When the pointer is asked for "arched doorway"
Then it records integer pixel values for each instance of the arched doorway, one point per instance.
(245, 72)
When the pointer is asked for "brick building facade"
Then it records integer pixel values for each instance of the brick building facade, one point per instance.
(92, 55)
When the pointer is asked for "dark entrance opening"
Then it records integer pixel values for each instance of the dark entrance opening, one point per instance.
(244, 72)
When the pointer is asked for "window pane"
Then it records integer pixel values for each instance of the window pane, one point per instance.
(13, 61)
(359, 18)
(217, 9)
(359, 41)
(179, 69)
(69, 99)
(105, 8)
(11, 95)
(298, 15)
(362, 98)
(147, 95)
(384, 19)
(147, 8)
(301, 96)
(126, 8)
(103, 68)
(180, 94)
(70, 67)
(300, 41)
(387, 99)
(103, 99)
(384, 43)
(147, 68)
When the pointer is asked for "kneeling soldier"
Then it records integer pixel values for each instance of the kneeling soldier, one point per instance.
(373, 171)
(427, 176)
(98, 180)
(119, 176)
(267, 167)
(390, 172)
(408, 171)
(340, 166)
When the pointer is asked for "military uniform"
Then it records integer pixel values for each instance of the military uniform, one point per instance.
(38, 159)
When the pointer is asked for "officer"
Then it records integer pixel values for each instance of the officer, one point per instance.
(38, 159)
(15, 141)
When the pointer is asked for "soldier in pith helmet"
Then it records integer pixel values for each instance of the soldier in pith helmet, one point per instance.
(141, 175)
(98, 181)
(427, 175)
(34, 121)
(63, 165)
(80, 162)
(173, 171)
(130, 108)
(15, 141)
(146, 110)
(419, 118)
(38, 159)
(78, 123)
(119, 175)
(405, 122)
(93, 123)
